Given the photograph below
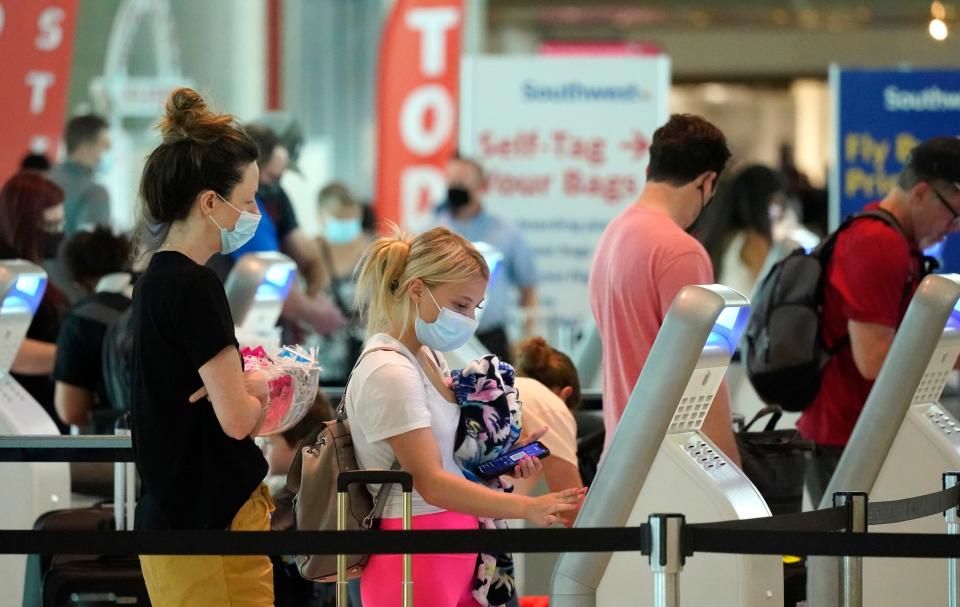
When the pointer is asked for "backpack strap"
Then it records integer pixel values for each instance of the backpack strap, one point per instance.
(825, 249)
(98, 312)
(342, 407)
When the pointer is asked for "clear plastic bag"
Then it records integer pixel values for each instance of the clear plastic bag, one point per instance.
(293, 378)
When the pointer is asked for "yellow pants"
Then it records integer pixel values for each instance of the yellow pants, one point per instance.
(214, 581)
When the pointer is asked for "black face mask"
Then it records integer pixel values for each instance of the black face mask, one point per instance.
(457, 198)
(270, 190)
(704, 203)
(51, 244)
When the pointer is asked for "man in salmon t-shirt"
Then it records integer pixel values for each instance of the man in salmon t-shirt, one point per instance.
(645, 257)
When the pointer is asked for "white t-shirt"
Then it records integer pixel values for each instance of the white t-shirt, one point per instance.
(388, 395)
(540, 407)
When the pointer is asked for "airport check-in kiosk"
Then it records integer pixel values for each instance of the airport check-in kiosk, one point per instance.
(257, 288)
(33, 488)
(659, 461)
(903, 442)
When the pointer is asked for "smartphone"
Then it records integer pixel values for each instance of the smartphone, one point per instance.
(506, 462)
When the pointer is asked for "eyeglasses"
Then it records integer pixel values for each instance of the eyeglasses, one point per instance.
(943, 201)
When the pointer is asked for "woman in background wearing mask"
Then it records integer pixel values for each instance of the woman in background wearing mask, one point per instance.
(31, 219)
(194, 410)
(419, 297)
(341, 245)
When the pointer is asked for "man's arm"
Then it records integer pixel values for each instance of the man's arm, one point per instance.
(73, 403)
(870, 343)
(528, 301)
(94, 209)
(718, 425)
(305, 252)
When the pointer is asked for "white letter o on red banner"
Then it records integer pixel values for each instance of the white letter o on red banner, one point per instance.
(417, 136)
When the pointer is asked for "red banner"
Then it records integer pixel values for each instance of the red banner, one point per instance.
(418, 91)
(36, 44)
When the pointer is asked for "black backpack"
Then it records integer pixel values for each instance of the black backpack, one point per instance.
(784, 348)
(117, 358)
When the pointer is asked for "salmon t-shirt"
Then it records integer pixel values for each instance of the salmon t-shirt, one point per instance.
(641, 263)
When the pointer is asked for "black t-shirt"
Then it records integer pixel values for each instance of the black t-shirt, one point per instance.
(194, 475)
(278, 206)
(80, 349)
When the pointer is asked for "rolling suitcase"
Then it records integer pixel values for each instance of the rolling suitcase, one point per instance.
(64, 580)
(344, 480)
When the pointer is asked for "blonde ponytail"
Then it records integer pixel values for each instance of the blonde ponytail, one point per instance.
(389, 266)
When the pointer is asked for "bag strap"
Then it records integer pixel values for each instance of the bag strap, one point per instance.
(772, 410)
(379, 501)
(342, 407)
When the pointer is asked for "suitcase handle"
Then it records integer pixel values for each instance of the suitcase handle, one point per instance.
(375, 477)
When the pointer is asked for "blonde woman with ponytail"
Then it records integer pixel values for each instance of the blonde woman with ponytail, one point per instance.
(194, 409)
(419, 297)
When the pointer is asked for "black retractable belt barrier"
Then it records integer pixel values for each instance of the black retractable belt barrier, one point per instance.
(696, 539)
(818, 543)
(898, 511)
(54, 448)
(600, 539)
(808, 533)
(828, 519)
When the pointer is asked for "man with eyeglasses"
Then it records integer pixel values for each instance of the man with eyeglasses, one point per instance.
(871, 277)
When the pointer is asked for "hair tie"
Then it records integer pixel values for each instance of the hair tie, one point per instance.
(393, 285)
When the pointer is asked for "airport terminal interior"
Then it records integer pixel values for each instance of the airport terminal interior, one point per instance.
(676, 281)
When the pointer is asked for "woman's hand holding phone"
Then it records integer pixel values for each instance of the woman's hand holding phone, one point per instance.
(529, 467)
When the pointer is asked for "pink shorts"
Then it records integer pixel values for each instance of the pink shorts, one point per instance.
(439, 580)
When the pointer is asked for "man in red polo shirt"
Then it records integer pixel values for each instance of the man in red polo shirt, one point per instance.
(871, 278)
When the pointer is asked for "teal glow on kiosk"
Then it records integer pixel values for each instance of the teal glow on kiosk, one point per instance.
(257, 288)
(659, 461)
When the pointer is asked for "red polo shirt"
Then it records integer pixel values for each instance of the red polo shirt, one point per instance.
(871, 277)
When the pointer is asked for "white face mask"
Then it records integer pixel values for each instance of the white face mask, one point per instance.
(231, 240)
(449, 332)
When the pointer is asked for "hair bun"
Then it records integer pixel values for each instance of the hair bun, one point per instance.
(187, 118)
(533, 354)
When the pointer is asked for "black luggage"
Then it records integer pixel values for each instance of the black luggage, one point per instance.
(64, 580)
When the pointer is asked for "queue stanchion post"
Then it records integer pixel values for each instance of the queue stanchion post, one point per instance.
(121, 484)
(667, 557)
(952, 479)
(851, 567)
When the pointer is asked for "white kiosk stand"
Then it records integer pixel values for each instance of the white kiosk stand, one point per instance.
(34, 488)
(256, 288)
(903, 442)
(659, 461)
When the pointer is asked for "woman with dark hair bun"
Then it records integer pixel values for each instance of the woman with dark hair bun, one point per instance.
(31, 221)
(195, 412)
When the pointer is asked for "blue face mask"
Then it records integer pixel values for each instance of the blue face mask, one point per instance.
(449, 332)
(342, 231)
(231, 240)
(105, 165)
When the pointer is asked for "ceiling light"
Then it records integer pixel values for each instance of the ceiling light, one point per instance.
(938, 30)
(937, 10)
